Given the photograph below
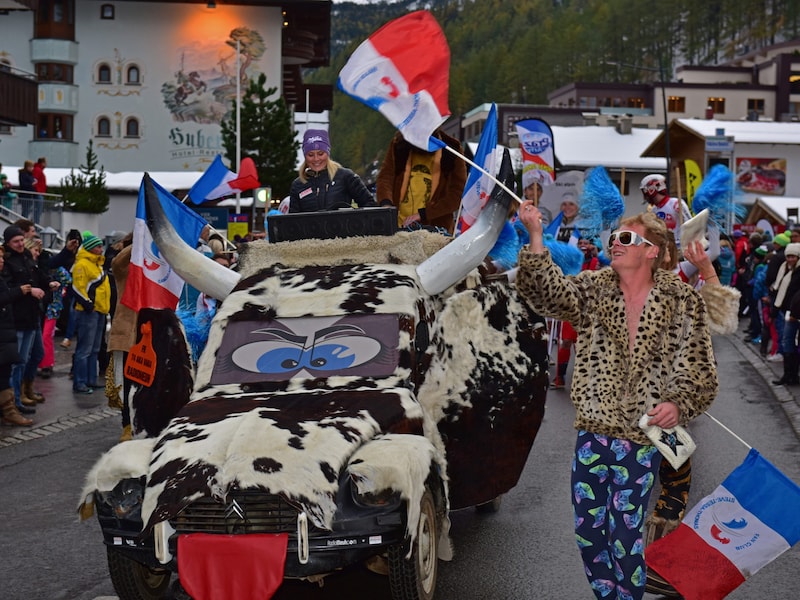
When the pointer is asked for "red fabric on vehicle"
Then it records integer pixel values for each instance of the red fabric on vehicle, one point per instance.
(240, 567)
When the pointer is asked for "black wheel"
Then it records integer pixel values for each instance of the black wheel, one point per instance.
(135, 581)
(490, 507)
(414, 578)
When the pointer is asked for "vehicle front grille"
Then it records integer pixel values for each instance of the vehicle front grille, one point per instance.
(241, 512)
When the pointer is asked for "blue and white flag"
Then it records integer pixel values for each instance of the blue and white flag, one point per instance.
(747, 522)
(479, 185)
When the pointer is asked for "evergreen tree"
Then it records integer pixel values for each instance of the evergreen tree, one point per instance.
(85, 191)
(267, 136)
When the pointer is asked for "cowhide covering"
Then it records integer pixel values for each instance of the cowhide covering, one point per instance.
(466, 397)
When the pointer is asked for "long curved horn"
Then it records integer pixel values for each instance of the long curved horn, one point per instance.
(197, 270)
(452, 263)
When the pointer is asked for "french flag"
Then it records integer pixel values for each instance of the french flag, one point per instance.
(746, 523)
(151, 281)
(479, 186)
(219, 181)
(403, 71)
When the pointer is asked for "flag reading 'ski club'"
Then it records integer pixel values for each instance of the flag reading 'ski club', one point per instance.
(479, 186)
(746, 523)
(219, 181)
(151, 281)
(538, 158)
(403, 70)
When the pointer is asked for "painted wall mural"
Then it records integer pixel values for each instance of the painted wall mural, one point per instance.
(204, 85)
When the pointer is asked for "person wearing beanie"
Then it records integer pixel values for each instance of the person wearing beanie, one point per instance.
(20, 270)
(92, 292)
(322, 183)
(786, 284)
(426, 187)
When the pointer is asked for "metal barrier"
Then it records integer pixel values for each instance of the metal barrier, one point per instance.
(45, 210)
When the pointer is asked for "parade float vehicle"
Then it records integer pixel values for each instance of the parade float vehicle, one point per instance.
(352, 392)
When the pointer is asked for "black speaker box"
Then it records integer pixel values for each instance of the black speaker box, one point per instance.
(329, 224)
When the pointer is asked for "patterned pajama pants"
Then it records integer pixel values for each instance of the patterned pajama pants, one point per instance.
(611, 484)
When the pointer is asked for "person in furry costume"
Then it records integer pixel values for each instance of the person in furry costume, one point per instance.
(425, 187)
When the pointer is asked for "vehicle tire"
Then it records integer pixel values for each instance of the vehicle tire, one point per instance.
(414, 578)
(135, 581)
(490, 507)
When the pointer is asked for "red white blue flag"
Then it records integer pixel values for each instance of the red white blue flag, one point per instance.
(538, 158)
(746, 523)
(219, 181)
(403, 71)
(151, 281)
(479, 186)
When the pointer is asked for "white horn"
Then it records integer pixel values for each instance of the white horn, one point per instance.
(197, 270)
(452, 263)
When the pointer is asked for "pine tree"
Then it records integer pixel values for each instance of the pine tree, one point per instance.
(85, 191)
(267, 136)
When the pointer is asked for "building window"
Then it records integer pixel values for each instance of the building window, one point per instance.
(103, 74)
(635, 102)
(54, 127)
(107, 11)
(133, 75)
(676, 104)
(717, 105)
(54, 72)
(5, 129)
(103, 127)
(132, 128)
(755, 105)
(55, 19)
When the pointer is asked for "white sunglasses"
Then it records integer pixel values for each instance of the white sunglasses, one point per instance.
(626, 237)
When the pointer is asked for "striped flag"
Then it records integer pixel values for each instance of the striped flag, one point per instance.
(151, 281)
(479, 186)
(746, 523)
(219, 181)
(402, 70)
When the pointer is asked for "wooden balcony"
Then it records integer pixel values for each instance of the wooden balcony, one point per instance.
(19, 101)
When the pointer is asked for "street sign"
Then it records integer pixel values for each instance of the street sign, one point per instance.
(719, 143)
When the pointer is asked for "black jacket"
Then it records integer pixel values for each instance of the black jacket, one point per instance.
(20, 269)
(320, 193)
(8, 332)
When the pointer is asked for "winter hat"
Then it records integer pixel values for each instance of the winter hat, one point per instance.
(792, 249)
(738, 233)
(91, 241)
(762, 251)
(782, 240)
(316, 139)
(74, 234)
(11, 232)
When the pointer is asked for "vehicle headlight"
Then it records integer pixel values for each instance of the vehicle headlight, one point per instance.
(380, 499)
(125, 500)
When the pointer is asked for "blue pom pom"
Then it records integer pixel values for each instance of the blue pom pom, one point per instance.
(506, 249)
(601, 203)
(714, 193)
(568, 258)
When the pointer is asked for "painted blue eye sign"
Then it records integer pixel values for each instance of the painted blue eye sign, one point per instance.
(303, 347)
(323, 356)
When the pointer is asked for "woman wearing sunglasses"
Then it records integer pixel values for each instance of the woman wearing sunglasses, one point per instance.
(644, 347)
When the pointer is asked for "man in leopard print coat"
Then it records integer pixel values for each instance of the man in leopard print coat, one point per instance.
(643, 347)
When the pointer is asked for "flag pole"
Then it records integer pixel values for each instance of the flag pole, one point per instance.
(482, 170)
(238, 121)
(748, 446)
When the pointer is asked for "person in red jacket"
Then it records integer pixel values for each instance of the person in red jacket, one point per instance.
(40, 185)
